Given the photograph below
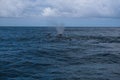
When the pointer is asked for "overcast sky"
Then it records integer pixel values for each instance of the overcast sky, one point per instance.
(70, 12)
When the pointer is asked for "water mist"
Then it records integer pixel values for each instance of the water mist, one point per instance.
(60, 29)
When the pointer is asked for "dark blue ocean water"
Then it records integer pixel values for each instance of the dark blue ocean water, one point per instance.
(27, 53)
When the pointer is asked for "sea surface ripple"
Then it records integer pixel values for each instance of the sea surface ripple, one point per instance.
(27, 53)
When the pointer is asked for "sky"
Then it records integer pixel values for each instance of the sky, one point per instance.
(53, 12)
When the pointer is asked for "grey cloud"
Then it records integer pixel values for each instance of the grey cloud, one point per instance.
(70, 8)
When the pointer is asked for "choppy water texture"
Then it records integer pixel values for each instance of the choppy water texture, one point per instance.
(27, 53)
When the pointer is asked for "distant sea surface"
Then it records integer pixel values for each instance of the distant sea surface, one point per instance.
(35, 53)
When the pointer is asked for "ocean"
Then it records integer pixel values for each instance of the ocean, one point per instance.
(82, 53)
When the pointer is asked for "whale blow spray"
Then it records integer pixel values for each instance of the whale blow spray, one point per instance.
(60, 29)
